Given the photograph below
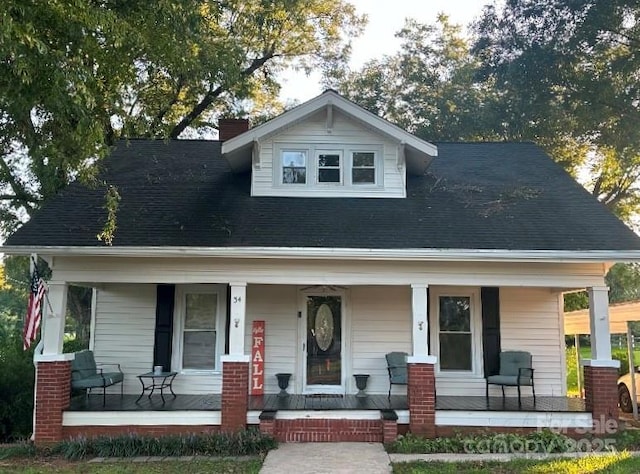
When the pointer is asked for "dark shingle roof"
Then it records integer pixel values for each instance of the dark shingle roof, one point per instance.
(474, 196)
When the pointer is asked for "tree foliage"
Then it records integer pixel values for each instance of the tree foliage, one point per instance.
(428, 87)
(562, 74)
(77, 74)
(573, 68)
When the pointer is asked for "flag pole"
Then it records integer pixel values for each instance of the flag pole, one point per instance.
(36, 352)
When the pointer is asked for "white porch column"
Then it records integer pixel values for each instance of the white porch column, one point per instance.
(419, 321)
(53, 323)
(599, 323)
(419, 324)
(238, 311)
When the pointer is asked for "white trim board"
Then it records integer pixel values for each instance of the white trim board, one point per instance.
(141, 418)
(308, 272)
(328, 415)
(450, 255)
(514, 419)
(253, 417)
(559, 420)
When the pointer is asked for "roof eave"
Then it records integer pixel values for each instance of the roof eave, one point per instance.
(452, 255)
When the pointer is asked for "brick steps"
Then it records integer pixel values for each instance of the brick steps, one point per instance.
(307, 430)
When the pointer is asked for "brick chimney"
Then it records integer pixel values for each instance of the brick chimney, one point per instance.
(229, 128)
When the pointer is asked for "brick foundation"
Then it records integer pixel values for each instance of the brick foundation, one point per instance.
(389, 430)
(268, 422)
(421, 397)
(601, 397)
(310, 430)
(53, 394)
(235, 395)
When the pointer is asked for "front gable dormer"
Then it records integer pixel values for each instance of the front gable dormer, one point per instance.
(328, 147)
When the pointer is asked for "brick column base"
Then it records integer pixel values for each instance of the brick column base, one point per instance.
(421, 396)
(389, 426)
(601, 397)
(268, 422)
(53, 395)
(235, 395)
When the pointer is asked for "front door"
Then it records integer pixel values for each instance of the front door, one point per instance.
(323, 347)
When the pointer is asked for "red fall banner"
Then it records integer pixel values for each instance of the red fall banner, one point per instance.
(257, 358)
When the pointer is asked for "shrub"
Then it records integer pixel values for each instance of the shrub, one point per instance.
(248, 442)
(73, 345)
(23, 449)
(623, 356)
(544, 441)
(16, 386)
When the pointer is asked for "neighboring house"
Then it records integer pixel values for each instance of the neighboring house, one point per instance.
(350, 238)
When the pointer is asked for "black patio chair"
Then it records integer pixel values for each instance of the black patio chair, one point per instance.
(397, 367)
(516, 370)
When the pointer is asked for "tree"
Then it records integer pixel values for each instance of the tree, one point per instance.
(428, 87)
(561, 74)
(572, 68)
(434, 88)
(75, 75)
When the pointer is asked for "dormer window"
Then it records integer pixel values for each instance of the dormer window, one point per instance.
(363, 170)
(294, 166)
(329, 167)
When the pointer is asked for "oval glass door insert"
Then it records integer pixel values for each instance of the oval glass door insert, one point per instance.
(324, 327)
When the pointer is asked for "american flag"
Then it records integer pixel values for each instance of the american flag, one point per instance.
(34, 309)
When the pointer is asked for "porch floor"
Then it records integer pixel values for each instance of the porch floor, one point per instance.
(328, 402)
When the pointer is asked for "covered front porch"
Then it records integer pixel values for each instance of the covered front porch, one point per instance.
(377, 308)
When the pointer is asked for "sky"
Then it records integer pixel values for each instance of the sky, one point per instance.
(385, 19)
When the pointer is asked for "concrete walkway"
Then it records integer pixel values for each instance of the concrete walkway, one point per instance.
(327, 458)
(371, 458)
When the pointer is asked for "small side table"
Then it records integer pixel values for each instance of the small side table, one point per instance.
(152, 381)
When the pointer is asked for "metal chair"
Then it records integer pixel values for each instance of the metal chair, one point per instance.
(397, 367)
(516, 370)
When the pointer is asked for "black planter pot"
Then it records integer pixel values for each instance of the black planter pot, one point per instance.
(283, 383)
(361, 384)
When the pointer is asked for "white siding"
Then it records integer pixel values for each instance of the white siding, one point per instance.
(313, 131)
(530, 321)
(381, 323)
(124, 330)
(277, 306)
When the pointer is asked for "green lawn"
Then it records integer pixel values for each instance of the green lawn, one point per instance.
(59, 466)
(618, 463)
(585, 353)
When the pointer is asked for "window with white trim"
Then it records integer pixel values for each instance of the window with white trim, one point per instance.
(199, 327)
(322, 165)
(329, 165)
(363, 168)
(457, 330)
(294, 166)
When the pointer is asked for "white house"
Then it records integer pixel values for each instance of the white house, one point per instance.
(345, 238)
